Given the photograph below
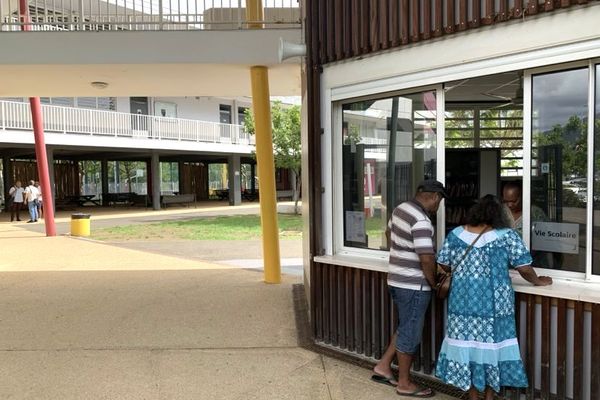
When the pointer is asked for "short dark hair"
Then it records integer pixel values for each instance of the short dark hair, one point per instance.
(488, 210)
(518, 185)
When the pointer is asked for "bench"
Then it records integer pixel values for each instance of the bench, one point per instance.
(222, 194)
(249, 195)
(285, 194)
(119, 198)
(64, 204)
(178, 199)
(140, 200)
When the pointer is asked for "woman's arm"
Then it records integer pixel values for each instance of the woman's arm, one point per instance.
(528, 273)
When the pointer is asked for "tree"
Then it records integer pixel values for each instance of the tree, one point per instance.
(287, 147)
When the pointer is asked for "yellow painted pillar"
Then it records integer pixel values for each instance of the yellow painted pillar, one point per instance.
(261, 106)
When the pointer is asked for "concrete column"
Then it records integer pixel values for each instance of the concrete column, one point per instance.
(235, 184)
(50, 156)
(155, 174)
(104, 173)
(180, 187)
(6, 179)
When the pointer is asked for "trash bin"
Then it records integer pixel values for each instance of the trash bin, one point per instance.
(80, 224)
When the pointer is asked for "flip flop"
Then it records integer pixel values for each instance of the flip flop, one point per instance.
(418, 393)
(386, 380)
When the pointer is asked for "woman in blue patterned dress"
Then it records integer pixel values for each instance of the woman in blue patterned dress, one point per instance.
(480, 352)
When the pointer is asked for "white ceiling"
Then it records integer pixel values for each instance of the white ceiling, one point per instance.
(142, 80)
(482, 88)
(205, 63)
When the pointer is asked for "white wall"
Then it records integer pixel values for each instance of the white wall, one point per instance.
(201, 108)
(123, 105)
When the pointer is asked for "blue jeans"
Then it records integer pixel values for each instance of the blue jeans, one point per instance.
(411, 306)
(32, 205)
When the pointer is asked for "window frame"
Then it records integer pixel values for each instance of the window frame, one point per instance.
(337, 232)
(332, 116)
(528, 75)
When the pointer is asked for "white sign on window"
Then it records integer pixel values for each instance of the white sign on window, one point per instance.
(355, 227)
(555, 237)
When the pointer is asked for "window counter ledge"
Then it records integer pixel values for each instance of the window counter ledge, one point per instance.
(561, 289)
(366, 263)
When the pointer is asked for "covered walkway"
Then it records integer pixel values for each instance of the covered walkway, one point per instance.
(87, 320)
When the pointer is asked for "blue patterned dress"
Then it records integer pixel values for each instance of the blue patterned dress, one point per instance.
(480, 348)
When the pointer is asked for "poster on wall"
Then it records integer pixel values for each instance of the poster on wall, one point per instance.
(555, 237)
(355, 227)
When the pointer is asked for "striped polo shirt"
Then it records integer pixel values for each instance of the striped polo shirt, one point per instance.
(411, 235)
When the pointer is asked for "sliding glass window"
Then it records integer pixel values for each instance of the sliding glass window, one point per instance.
(559, 169)
(388, 147)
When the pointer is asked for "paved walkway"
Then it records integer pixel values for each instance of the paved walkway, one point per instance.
(86, 320)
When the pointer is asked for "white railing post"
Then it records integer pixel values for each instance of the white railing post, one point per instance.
(81, 26)
(160, 15)
(3, 114)
(64, 120)
(178, 129)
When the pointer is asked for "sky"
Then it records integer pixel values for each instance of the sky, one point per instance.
(558, 96)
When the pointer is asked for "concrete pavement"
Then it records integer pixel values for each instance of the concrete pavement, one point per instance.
(86, 320)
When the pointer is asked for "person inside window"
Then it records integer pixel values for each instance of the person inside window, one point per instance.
(512, 198)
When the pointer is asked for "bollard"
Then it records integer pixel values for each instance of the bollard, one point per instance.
(80, 224)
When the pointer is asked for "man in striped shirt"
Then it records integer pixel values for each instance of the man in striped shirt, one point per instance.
(411, 278)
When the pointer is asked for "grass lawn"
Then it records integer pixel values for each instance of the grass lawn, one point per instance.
(238, 227)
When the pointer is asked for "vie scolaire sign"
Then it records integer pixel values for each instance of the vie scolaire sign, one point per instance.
(555, 237)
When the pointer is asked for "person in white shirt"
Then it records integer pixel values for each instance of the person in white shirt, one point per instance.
(40, 208)
(15, 194)
(31, 196)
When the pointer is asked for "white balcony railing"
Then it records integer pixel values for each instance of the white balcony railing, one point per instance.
(145, 15)
(82, 121)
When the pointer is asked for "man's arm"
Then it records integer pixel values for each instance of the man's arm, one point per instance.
(388, 236)
(429, 266)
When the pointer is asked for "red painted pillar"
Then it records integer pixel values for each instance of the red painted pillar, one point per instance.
(40, 143)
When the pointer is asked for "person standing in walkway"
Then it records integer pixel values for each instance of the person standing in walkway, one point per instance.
(31, 195)
(40, 205)
(410, 279)
(15, 194)
(480, 352)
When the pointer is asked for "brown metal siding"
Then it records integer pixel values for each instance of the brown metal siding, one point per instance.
(357, 315)
(351, 28)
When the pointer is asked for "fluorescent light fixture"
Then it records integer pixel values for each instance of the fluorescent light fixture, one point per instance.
(99, 85)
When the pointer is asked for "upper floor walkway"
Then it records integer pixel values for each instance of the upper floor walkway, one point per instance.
(70, 126)
(145, 47)
(145, 15)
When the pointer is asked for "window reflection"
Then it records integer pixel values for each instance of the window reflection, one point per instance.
(559, 169)
(388, 147)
